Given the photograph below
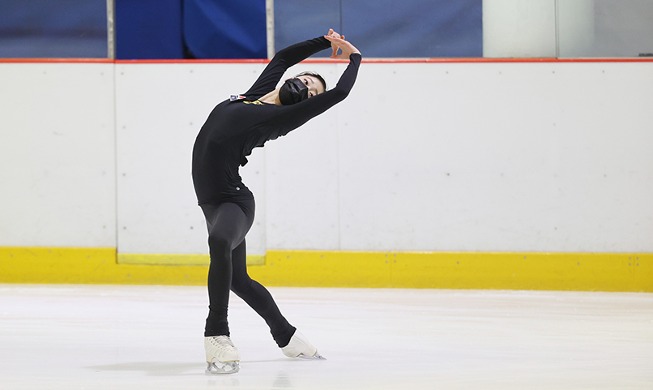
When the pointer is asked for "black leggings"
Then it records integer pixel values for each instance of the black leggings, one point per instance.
(228, 223)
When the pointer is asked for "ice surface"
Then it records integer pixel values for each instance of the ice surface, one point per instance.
(151, 337)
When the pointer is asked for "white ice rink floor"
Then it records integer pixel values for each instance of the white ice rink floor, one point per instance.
(150, 337)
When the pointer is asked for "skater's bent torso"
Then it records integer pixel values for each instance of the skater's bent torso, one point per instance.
(235, 128)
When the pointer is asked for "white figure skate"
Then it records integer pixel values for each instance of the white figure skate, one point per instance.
(222, 357)
(299, 347)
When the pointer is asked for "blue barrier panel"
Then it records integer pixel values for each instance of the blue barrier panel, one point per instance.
(47, 28)
(225, 29)
(148, 29)
(297, 20)
(387, 28)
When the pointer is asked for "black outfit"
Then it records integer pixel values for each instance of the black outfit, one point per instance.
(233, 129)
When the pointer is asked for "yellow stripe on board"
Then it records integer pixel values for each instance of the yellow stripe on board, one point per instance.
(88, 266)
(521, 271)
(177, 259)
(518, 271)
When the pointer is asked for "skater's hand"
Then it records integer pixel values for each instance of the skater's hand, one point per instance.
(334, 48)
(339, 44)
(332, 33)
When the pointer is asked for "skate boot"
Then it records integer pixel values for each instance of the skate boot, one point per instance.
(221, 355)
(299, 347)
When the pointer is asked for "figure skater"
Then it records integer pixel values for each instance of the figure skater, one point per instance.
(233, 129)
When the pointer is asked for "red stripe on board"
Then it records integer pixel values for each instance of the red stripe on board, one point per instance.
(401, 60)
(503, 60)
(214, 61)
(56, 61)
(330, 61)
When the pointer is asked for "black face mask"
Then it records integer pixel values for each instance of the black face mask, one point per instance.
(293, 91)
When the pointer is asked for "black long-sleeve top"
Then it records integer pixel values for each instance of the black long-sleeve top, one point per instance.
(235, 128)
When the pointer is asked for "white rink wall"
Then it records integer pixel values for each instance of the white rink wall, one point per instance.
(57, 155)
(550, 156)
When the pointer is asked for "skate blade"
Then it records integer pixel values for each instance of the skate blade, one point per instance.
(222, 368)
(316, 356)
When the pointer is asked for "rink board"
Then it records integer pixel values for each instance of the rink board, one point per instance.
(449, 270)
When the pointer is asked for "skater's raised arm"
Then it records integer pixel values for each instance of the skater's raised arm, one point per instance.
(290, 117)
(283, 60)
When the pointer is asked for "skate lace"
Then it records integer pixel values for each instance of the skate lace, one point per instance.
(222, 342)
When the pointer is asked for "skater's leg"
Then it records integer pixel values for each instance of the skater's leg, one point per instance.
(227, 225)
(259, 298)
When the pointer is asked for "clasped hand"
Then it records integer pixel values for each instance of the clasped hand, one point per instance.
(340, 48)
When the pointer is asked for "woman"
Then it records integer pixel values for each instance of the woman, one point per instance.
(232, 130)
